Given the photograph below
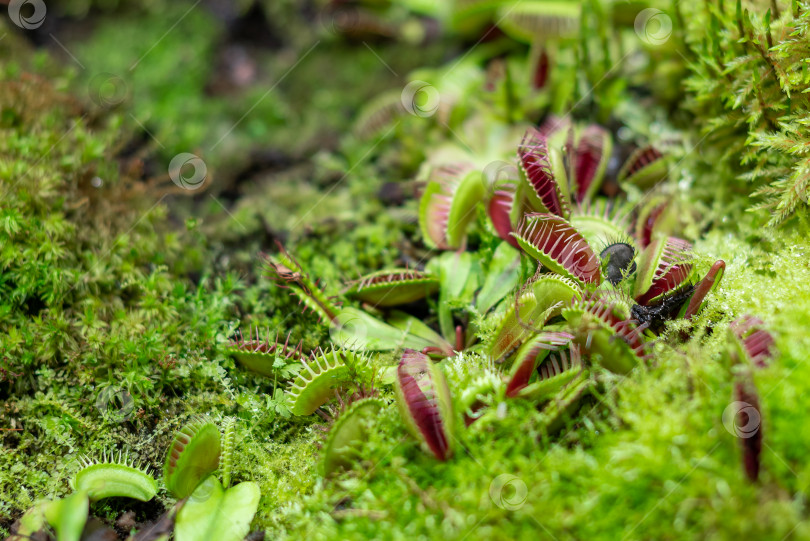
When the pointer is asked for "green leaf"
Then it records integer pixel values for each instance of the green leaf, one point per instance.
(357, 330)
(109, 480)
(215, 513)
(501, 278)
(416, 329)
(68, 516)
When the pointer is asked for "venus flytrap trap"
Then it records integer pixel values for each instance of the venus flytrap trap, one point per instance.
(481, 394)
(645, 168)
(114, 477)
(266, 356)
(393, 287)
(447, 205)
(528, 359)
(552, 376)
(349, 429)
(322, 374)
(193, 455)
(558, 246)
(425, 403)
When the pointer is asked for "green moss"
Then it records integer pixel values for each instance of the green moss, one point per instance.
(114, 315)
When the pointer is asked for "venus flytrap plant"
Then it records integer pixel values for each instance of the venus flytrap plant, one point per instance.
(205, 510)
(529, 331)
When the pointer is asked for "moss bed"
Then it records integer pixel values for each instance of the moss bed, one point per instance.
(120, 291)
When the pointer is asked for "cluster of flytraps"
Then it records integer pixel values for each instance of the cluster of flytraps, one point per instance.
(597, 291)
(207, 508)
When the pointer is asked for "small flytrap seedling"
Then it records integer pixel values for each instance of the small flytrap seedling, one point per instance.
(206, 508)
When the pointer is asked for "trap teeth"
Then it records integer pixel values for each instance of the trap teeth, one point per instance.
(394, 287)
(543, 172)
(752, 340)
(320, 377)
(559, 247)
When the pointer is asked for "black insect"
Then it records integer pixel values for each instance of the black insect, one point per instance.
(656, 315)
(619, 261)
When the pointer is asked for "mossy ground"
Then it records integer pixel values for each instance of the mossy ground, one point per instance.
(130, 287)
